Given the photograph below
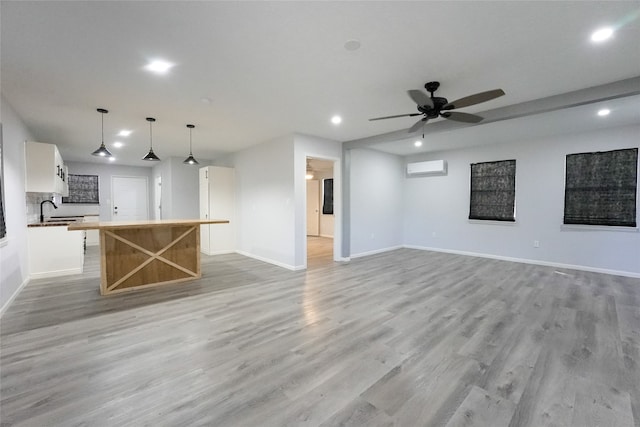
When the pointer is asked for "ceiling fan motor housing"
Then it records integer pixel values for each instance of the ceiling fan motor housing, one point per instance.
(432, 112)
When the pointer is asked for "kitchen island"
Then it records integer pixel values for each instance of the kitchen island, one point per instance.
(141, 254)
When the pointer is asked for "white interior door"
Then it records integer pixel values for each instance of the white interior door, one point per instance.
(129, 199)
(313, 207)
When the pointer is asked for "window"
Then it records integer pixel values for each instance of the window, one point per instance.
(83, 189)
(493, 191)
(327, 196)
(601, 187)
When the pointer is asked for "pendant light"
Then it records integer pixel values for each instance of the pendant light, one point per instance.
(151, 156)
(190, 160)
(102, 150)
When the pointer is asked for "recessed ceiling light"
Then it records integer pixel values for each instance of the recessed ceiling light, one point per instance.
(112, 159)
(118, 144)
(352, 44)
(602, 34)
(124, 132)
(159, 66)
(604, 112)
(418, 143)
(336, 120)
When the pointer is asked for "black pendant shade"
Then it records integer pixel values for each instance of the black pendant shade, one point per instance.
(190, 160)
(151, 156)
(102, 150)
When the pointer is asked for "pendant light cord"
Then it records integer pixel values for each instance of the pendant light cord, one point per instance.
(190, 150)
(150, 136)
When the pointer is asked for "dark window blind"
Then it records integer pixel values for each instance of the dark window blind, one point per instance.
(327, 196)
(3, 224)
(601, 187)
(83, 189)
(493, 191)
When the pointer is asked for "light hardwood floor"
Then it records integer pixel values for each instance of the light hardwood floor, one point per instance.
(405, 338)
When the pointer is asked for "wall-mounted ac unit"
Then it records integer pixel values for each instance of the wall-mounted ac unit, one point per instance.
(432, 167)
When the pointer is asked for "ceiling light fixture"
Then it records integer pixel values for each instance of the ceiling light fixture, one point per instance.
(159, 66)
(604, 112)
(352, 45)
(124, 132)
(336, 120)
(102, 150)
(118, 144)
(309, 174)
(190, 160)
(602, 34)
(151, 156)
(418, 143)
(112, 159)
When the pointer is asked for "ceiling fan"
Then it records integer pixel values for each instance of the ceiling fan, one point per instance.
(435, 106)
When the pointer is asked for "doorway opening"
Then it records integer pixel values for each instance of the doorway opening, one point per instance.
(320, 215)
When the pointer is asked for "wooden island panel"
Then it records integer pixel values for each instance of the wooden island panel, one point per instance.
(147, 253)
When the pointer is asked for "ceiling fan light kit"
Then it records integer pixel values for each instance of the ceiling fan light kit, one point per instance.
(432, 107)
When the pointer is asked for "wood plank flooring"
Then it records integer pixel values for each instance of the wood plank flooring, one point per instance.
(404, 338)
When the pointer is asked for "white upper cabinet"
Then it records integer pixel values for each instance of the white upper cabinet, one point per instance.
(45, 170)
(65, 182)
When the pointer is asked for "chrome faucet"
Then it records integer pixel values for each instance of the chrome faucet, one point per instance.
(42, 203)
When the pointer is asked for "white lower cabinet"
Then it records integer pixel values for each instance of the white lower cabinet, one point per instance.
(54, 251)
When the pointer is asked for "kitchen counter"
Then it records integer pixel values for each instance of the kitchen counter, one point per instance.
(141, 254)
(52, 223)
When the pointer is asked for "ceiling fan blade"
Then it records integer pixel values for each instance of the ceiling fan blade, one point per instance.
(420, 98)
(393, 117)
(417, 125)
(462, 117)
(474, 99)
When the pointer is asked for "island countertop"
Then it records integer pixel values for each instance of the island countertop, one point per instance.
(141, 224)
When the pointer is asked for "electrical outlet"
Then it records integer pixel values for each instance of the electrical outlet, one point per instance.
(536, 243)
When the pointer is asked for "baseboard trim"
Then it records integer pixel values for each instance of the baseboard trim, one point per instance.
(529, 261)
(271, 261)
(55, 273)
(376, 251)
(6, 305)
(223, 252)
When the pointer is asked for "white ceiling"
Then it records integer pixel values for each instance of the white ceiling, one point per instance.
(273, 68)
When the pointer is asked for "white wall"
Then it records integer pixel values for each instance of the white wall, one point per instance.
(14, 267)
(436, 208)
(266, 201)
(376, 188)
(105, 172)
(311, 146)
